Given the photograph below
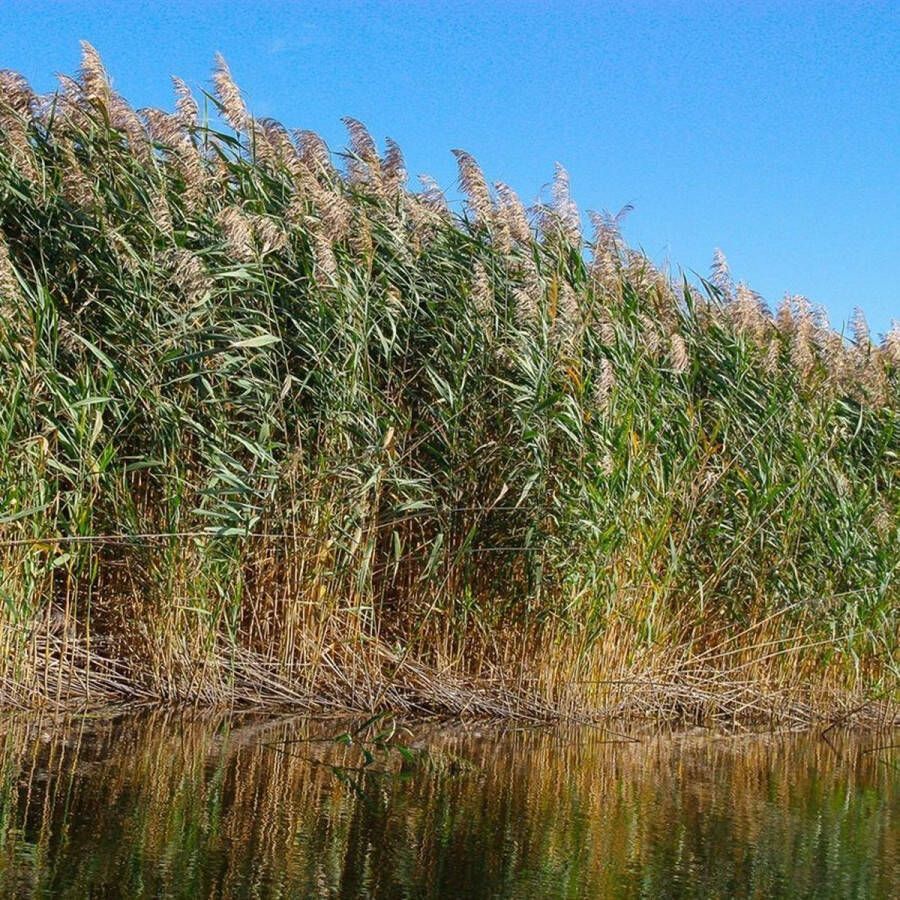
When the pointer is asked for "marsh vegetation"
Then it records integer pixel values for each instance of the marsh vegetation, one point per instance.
(276, 427)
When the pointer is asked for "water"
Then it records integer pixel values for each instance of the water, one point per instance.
(158, 805)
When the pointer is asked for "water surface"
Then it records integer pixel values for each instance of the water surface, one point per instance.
(156, 805)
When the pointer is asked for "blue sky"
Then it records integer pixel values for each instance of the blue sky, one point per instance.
(771, 130)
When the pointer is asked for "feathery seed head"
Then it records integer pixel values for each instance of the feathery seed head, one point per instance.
(126, 120)
(513, 214)
(803, 311)
(649, 334)
(270, 237)
(820, 318)
(14, 133)
(314, 152)
(234, 110)
(16, 94)
(432, 196)
(160, 211)
(482, 293)
(333, 209)
(187, 110)
(860, 328)
(605, 329)
(70, 98)
(325, 264)
(273, 145)
(605, 384)
(94, 79)
(362, 143)
(567, 324)
(606, 251)
(772, 359)
(188, 274)
(746, 312)
(678, 355)
(784, 317)
(473, 184)
(393, 167)
(9, 284)
(529, 295)
(164, 128)
(565, 219)
(77, 187)
(238, 235)
(720, 275)
(802, 358)
(360, 240)
(891, 344)
(363, 162)
(833, 354)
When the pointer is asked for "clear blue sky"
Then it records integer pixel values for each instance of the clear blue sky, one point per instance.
(771, 130)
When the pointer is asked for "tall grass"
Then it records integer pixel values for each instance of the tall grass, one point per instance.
(277, 427)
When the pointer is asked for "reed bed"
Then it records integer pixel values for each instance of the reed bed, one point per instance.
(278, 428)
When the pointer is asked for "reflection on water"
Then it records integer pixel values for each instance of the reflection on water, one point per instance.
(156, 805)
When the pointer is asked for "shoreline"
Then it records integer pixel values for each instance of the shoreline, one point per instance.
(414, 689)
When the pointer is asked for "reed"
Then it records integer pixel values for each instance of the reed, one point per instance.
(277, 427)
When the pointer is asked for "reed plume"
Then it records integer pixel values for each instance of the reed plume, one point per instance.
(93, 77)
(473, 184)
(747, 312)
(720, 275)
(393, 168)
(364, 163)
(605, 384)
(860, 329)
(432, 195)
(314, 153)
(16, 95)
(513, 214)
(238, 234)
(9, 284)
(606, 247)
(231, 103)
(678, 354)
(482, 295)
(891, 345)
(564, 216)
(185, 104)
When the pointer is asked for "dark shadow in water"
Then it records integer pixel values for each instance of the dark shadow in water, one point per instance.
(185, 806)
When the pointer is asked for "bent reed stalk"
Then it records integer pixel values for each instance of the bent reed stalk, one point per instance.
(277, 428)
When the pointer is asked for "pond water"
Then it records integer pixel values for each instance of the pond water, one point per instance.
(153, 805)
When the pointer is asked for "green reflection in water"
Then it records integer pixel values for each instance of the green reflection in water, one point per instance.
(155, 805)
